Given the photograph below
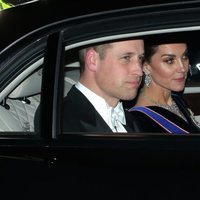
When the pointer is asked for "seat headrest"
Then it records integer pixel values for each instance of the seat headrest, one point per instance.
(32, 85)
(29, 87)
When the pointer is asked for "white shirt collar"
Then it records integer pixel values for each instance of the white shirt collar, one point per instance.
(99, 104)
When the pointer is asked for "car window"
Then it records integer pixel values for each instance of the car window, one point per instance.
(21, 98)
(21, 89)
(191, 92)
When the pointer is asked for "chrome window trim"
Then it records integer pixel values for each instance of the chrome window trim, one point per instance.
(122, 36)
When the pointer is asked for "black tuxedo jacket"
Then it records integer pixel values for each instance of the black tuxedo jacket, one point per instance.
(81, 116)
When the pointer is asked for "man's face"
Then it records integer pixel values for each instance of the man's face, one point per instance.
(119, 74)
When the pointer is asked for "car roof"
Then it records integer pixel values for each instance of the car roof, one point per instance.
(20, 20)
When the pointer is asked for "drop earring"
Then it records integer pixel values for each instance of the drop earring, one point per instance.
(147, 80)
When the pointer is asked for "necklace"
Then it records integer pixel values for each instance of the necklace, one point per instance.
(173, 108)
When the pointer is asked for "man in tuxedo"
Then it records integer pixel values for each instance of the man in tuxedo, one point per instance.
(109, 73)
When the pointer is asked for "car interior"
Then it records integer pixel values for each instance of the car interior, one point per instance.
(17, 110)
(21, 98)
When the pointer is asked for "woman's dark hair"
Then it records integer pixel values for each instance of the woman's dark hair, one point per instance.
(151, 43)
(150, 50)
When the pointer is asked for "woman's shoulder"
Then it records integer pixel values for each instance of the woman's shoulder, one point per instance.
(144, 122)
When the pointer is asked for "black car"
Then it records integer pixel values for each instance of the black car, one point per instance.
(39, 48)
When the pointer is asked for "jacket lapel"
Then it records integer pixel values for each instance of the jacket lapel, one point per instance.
(90, 119)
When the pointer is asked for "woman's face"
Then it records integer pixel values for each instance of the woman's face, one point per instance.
(169, 66)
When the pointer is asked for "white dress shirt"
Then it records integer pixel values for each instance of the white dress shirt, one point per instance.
(107, 112)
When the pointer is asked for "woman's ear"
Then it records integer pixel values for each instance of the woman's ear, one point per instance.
(91, 59)
(146, 68)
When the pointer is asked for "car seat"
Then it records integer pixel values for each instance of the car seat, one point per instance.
(17, 110)
(70, 78)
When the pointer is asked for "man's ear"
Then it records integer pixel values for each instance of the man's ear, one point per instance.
(91, 59)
